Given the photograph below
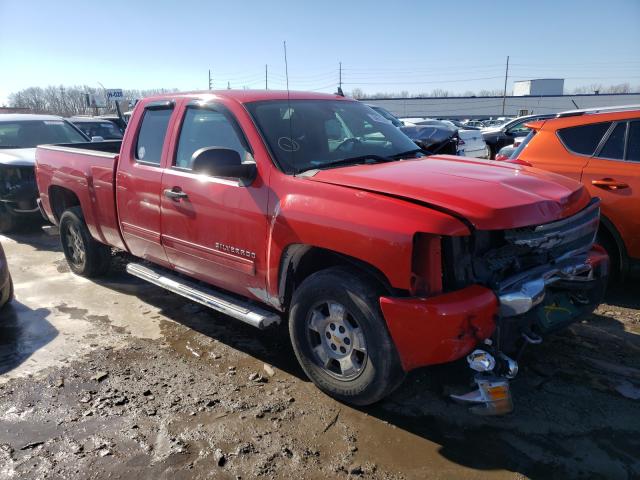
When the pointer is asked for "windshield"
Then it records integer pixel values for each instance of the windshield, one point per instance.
(104, 129)
(31, 133)
(309, 134)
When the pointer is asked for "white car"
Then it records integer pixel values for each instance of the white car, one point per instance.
(411, 121)
(471, 143)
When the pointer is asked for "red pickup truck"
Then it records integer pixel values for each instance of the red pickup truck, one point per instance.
(315, 210)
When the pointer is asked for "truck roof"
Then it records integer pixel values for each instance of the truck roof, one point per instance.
(247, 96)
(12, 117)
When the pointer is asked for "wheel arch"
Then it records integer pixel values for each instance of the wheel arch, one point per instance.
(299, 261)
(610, 229)
(61, 199)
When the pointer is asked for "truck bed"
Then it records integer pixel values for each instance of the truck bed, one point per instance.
(84, 173)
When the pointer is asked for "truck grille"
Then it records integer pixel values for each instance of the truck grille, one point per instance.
(488, 257)
(558, 238)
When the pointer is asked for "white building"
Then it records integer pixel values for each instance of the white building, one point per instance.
(486, 107)
(538, 86)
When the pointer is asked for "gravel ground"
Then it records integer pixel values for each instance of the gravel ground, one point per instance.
(118, 379)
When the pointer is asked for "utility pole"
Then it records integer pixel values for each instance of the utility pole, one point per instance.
(210, 81)
(504, 93)
(266, 77)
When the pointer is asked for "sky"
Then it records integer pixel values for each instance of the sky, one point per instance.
(384, 46)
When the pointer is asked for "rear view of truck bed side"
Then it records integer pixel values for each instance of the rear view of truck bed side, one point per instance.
(81, 175)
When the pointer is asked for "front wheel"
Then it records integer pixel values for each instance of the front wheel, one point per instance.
(340, 337)
(84, 255)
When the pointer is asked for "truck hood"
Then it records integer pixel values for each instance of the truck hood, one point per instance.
(489, 195)
(18, 157)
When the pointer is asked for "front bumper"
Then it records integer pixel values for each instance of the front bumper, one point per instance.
(444, 328)
(440, 329)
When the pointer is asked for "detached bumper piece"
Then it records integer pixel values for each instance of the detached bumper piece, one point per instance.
(493, 396)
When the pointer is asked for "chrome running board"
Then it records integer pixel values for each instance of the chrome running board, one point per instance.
(221, 302)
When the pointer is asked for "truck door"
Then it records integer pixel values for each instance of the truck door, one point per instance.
(613, 174)
(138, 181)
(213, 228)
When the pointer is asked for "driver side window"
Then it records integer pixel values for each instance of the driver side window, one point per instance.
(206, 128)
(519, 130)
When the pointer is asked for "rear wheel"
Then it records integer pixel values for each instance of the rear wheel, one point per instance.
(84, 255)
(340, 337)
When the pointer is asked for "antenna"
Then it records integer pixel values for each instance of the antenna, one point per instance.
(339, 91)
(289, 112)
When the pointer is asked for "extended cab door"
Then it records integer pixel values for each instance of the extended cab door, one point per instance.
(138, 181)
(613, 174)
(213, 228)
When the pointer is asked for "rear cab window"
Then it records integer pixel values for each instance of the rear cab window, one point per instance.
(151, 135)
(583, 139)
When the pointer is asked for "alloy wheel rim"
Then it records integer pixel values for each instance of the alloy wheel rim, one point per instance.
(337, 341)
(75, 245)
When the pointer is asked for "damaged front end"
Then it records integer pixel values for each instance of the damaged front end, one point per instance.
(18, 189)
(545, 277)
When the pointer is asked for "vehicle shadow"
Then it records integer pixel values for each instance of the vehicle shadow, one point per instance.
(270, 346)
(569, 419)
(575, 408)
(624, 294)
(32, 234)
(23, 331)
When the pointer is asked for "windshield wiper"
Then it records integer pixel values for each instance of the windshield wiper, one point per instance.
(350, 161)
(396, 156)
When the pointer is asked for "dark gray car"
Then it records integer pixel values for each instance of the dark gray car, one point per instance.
(19, 136)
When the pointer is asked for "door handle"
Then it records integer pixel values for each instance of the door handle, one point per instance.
(175, 194)
(609, 184)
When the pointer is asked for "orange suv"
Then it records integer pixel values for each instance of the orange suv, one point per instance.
(601, 149)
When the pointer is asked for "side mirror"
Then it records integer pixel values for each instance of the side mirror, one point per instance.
(97, 138)
(222, 162)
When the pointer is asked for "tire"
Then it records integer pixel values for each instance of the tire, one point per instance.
(7, 220)
(491, 151)
(84, 255)
(340, 337)
(605, 239)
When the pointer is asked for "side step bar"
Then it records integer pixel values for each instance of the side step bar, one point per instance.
(224, 303)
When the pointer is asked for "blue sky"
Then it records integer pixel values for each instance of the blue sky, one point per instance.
(390, 46)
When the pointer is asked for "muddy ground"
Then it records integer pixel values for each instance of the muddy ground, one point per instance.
(119, 379)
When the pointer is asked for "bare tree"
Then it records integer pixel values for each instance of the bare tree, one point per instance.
(69, 101)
